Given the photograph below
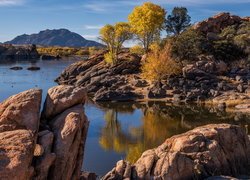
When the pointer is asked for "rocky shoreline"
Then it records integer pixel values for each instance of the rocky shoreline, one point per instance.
(206, 81)
(13, 53)
(37, 148)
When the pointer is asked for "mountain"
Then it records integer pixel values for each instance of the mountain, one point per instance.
(55, 37)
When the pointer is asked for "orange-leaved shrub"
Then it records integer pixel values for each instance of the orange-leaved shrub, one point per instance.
(159, 64)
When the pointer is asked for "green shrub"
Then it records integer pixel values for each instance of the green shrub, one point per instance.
(227, 51)
(188, 45)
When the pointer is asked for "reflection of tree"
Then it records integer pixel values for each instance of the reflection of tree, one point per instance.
(112, 136)
(158, 124)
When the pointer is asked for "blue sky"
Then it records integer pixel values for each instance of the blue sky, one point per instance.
(87, 16)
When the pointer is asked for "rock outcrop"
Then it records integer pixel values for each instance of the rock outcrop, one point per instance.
(10, 52)
(32, 152)
(197, 154)
(218, 22)
(104, 81)
(19, 121)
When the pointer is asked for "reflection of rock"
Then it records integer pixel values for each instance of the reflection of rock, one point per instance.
(16, 68)
(54, 153)
(200, 153)
(33, 68)
(49, 57)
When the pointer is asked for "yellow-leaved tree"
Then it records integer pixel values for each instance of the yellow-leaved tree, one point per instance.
(146, 23)
(159, 64)
(114, 37)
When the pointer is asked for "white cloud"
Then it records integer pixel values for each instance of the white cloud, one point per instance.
(93, 27)
(11, 2)
(91, 36)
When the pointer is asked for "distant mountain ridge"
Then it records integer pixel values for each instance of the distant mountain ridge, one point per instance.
(55, 37)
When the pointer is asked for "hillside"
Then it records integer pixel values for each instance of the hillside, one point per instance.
(56, 37)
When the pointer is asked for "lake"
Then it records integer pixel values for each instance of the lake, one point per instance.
(117, 130)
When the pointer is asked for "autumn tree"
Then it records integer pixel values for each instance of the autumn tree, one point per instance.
(159, 64)
(178, 20)
(114, 37)
(146, 23)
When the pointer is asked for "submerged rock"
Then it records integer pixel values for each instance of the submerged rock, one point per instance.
(16, 68)
(205, 151)
(33, 68)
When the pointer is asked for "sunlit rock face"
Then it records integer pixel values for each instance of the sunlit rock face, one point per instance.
(52, 149)
(216, 149)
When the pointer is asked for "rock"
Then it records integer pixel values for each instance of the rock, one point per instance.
(59, 98)
(191, 72)
(155, 92)
(222, 106)
(44, 162)
(217, 23)
(139, 83)
(16, 68)
(239, 78)
(70, 130)
(88, 176)
(21, 111)
(12, 52)
(95, 74)
(177, 98)
(33, 68)
(27, 154)
(17, 147)
(205, 151)
(240, 88)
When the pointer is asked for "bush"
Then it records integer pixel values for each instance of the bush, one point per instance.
(188, 45)
(160, 64)
(226, 51)
(108, 58)
(137, 49)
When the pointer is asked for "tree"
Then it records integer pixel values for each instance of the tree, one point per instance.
(178, 20)
(159, 64)
(114, 37)
(146, 22)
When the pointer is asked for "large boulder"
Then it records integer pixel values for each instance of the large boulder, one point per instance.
(70, 130)
(16, 149)
(216, 149)
(21, 111)
(19, 121)
(59, 98)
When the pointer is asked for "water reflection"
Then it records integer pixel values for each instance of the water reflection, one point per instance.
(158, 121)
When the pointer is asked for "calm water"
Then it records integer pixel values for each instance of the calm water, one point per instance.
(117, 130)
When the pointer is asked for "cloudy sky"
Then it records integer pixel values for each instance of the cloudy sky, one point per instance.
(87, 16)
